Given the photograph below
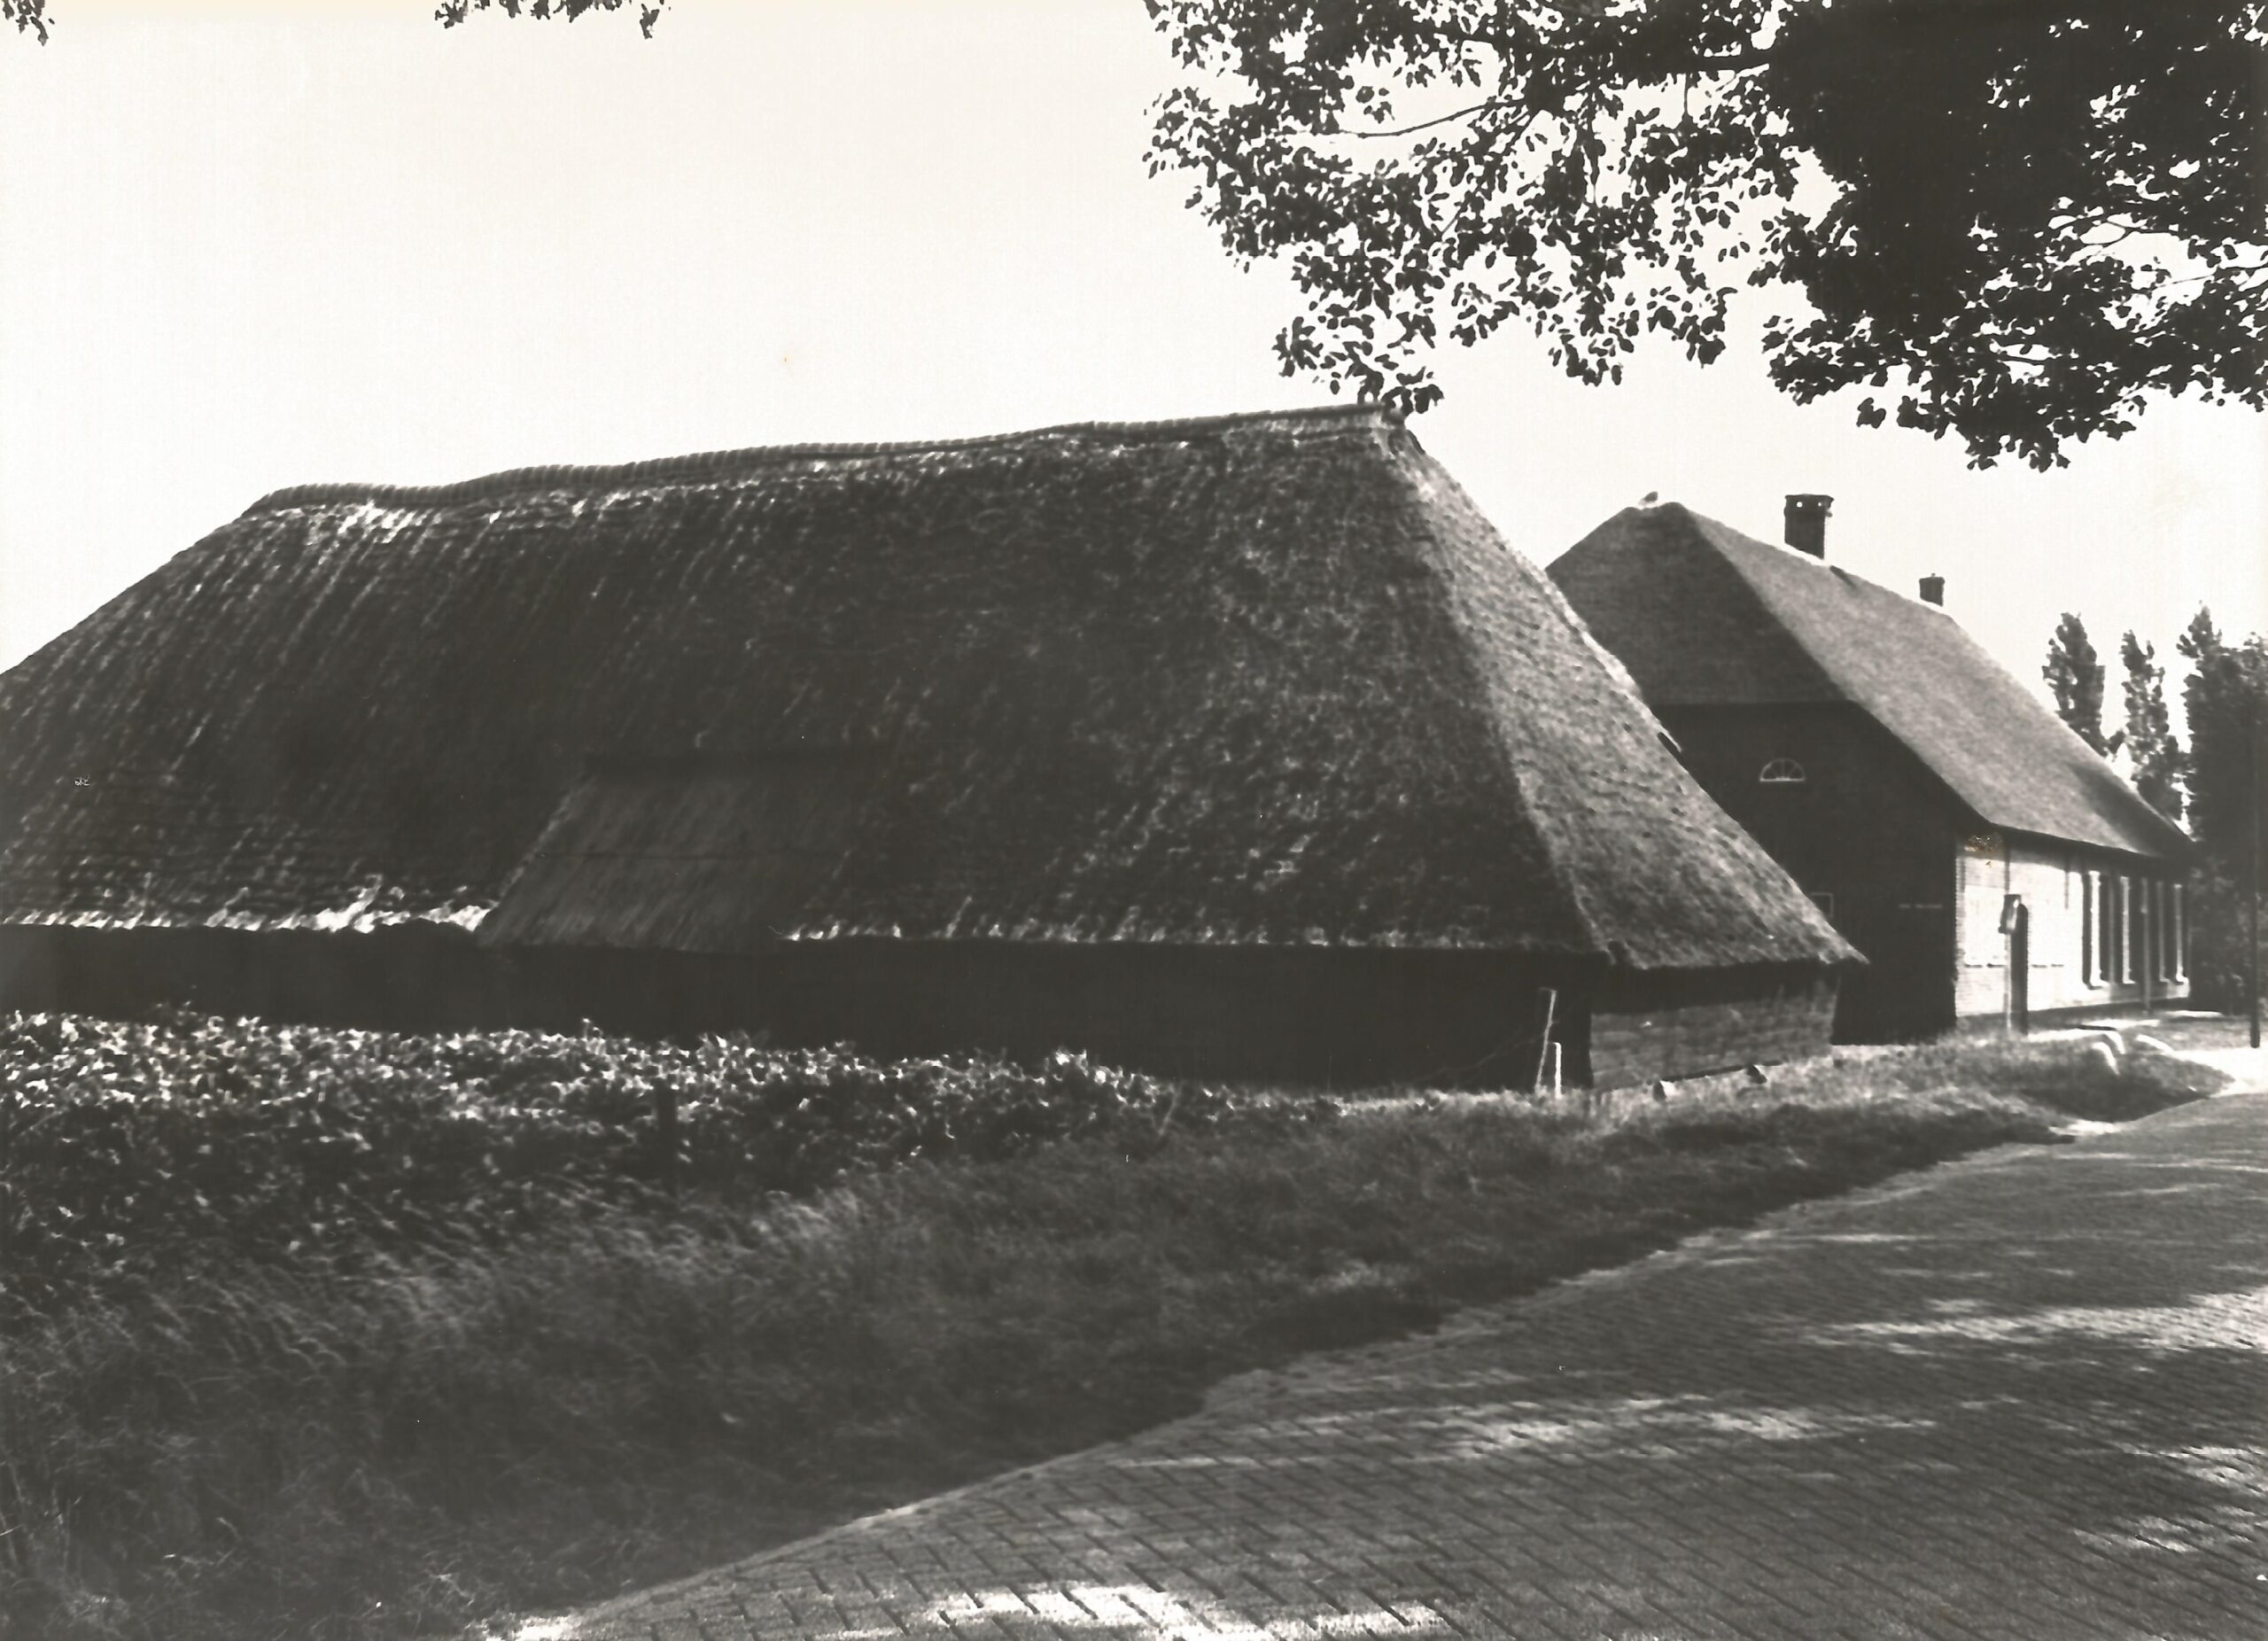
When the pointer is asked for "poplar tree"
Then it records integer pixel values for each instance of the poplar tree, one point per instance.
(2153, 752)
(2225, 705)
(2076, 677)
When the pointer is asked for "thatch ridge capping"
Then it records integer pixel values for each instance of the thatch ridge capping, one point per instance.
(1781, 552)
(714, 466)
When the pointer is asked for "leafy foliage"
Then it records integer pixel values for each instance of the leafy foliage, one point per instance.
(456, 12)
(2226, 702)
(136, 1145)
(2076, 677)
(2033, 214)
(30, 16)
(2151, 750)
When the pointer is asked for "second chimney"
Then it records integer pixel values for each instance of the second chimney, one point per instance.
(1933, 590)
(1806, 524)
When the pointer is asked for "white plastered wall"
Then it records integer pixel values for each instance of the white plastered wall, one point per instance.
(2066, 967)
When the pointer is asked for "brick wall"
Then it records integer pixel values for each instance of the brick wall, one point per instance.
(1868, 828)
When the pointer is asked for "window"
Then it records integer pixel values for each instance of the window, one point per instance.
(2108, 927)
(2088, 938)
(1782, 771)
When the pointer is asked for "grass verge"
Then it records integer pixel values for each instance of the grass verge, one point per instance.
(368, 1445)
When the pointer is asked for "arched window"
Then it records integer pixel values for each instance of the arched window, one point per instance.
(1783, 772)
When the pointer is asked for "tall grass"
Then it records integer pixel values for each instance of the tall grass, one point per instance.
(359, 1443)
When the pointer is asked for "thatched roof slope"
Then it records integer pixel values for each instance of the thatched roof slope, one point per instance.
(1703, 615)
(1264, 679)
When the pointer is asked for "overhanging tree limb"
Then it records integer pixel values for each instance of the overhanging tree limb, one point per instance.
(1964, 158)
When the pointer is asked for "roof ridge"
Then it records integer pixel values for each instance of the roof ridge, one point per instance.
(1806, 561)
(710, 466)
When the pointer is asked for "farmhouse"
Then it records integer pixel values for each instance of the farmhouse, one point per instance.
(1240, 747)
(1991, 865)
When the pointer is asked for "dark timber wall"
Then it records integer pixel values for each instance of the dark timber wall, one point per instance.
(1307, 1015)
(1672, 1025)
(423, 976)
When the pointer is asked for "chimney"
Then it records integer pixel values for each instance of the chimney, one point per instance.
(1933, 590)
(1806, 524)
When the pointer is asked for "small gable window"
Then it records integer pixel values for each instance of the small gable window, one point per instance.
(1783, 772)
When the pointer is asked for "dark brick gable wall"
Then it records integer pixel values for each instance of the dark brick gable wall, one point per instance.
(1867, 825)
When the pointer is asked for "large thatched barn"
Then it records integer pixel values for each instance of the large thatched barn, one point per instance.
(1239, 747)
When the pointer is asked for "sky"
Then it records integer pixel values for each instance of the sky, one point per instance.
(249, 245)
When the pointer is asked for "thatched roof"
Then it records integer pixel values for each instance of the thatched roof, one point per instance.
(1705, 616)
(1261, 678)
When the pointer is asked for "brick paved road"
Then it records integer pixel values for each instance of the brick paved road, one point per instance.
(2022, 1395)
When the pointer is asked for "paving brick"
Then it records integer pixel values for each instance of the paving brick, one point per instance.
(2018, 1396)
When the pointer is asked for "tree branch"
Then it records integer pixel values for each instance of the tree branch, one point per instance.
(1424, 125)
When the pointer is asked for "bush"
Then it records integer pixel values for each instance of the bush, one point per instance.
(148, 1146)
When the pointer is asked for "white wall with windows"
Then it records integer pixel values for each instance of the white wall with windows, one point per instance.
(2101, 929)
